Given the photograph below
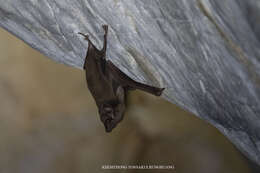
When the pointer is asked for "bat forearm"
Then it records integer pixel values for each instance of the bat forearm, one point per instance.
(147, 88)
(126, 81)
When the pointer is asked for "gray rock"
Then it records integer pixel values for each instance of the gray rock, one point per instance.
(205, 52)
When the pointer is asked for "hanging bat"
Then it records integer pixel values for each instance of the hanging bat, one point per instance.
(109, 85)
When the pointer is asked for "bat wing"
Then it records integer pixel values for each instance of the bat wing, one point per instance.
(126, 81)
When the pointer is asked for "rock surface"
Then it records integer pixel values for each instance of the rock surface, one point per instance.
(205, 52)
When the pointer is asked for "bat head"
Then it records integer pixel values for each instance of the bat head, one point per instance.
(111, 115)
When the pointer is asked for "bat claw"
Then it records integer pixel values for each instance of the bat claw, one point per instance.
(86, 37)
(105, 27)
(159, 92)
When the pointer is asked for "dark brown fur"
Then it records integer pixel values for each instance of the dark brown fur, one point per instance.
(109, 85)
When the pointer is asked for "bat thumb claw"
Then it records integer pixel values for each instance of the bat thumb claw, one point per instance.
(159, 92)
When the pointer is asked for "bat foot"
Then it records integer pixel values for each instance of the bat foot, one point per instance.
(105, 27)
(86, 37)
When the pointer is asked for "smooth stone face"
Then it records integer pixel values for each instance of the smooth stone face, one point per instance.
(205, 52)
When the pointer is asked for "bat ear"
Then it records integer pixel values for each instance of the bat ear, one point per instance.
(120, 93)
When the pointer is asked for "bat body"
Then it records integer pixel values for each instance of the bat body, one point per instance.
(109, 85)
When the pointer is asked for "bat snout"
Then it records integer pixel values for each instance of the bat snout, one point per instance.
(110, 121)
(109, 125)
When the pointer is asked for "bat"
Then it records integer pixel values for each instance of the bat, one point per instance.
(109, 85)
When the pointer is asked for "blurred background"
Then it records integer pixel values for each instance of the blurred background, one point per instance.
(49, 123)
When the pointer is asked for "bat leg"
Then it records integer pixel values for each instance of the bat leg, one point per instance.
(104, 49)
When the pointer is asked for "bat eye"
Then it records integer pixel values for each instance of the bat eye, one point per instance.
(107, 115)
(112, 116)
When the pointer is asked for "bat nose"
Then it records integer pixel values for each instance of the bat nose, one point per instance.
(108, 125)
